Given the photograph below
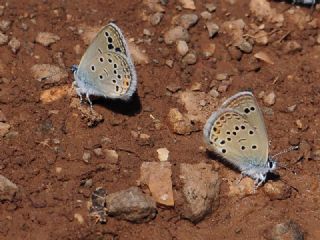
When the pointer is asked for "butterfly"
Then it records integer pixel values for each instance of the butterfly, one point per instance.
(106, 68)
(237, 133)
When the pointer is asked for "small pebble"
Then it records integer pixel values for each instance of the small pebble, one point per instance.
(208, 50)
(98, 152)
(156, 18)
(175, 34)
(222, 76)
(163, 154)
(188, 20)
(79, 218)
(214, 93)
(206, 15)
(188, 4)
(2, 117)
(14, 44)
(244, 46)
(111, 156)
(46, 38)
(210, 7)
(5, 25)
(292, 47)
(277, 190)
(189, 59)
(182, 47)
(269, 99)
(169, 63)
(86, 157)
(213, 29)
(3, 39)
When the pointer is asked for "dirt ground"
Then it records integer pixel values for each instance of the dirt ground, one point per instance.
(53, 135)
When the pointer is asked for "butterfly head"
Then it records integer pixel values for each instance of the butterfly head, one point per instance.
(74, 68)
(271, 164)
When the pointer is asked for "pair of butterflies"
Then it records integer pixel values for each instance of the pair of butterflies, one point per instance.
(236, 131)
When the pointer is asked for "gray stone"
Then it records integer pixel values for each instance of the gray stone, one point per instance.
(284, 231)
(213, 28)
(188, 20)
(201, 186)
(8, 189)
(190, 59)
(131, 205)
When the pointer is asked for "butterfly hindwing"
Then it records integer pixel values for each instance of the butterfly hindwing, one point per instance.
(230, 134)
(111, 75)
(246, 104)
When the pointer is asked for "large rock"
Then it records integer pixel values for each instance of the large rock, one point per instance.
(201, 186)
(131, 205)
(157, 176)
(8, 189)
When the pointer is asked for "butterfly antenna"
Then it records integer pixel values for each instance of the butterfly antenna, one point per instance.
(286, 151)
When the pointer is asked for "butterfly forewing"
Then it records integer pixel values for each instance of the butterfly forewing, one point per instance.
(230, 134)
(112, 75)
(109, 39)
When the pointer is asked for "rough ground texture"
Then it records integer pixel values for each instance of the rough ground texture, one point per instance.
(43, 150)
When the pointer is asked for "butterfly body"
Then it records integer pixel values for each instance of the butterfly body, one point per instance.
(237, 133)
(106, 68)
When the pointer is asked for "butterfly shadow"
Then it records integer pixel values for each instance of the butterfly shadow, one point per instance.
(129, 108)
(274, 176)
(215, 156)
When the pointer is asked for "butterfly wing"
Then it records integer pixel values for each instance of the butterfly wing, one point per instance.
(108, 39)
(231, 135)
(108, 74)
(246, 104)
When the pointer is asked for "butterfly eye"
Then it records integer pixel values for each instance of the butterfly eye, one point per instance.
(119, 76)
(115, 65)
(118, 49)
(250, 132)
(222, 142)
(109, 60)
(101, 59)
(254, 147)
(236, 128)
(246, 110)
(270, 164)
(107, 34)
(101, 77)
(234, 133)
(252, 109)
(117, 88)
(243, 127)
(229, 139)
(93, 68)
(243, 147)
(223, 150)
(114, 81)
(110, 39)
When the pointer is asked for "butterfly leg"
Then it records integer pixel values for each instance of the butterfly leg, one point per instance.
(242, 175)
(88, 99)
